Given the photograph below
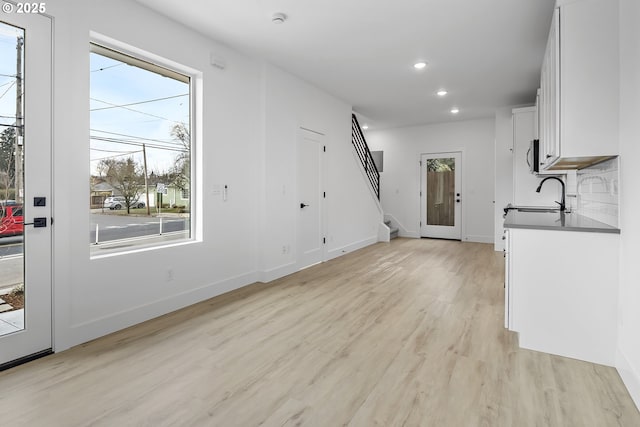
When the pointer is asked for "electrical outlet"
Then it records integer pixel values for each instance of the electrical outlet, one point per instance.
(284, 249)
(169, 275)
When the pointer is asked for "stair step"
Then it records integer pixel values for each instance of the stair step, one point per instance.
(387, 222)
(394, 233)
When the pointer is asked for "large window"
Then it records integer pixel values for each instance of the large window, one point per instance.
(141, 156)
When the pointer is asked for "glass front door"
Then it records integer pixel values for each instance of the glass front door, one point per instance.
(441, 198)
(25, 186)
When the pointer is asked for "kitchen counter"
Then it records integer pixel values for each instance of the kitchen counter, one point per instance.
(556, 221)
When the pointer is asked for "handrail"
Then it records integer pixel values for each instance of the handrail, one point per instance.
(364, 154)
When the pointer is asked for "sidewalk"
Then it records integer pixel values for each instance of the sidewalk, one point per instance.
(11, 321)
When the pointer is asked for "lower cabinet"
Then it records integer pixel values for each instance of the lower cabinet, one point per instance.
(561, 292)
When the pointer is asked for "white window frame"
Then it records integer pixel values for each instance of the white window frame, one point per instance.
(195, 128)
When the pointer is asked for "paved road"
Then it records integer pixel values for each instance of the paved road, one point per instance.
(116, 227)
(10, 246)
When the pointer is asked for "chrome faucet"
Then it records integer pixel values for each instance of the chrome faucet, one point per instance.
(561, 202)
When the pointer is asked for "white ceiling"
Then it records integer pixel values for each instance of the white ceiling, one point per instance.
(486, 53)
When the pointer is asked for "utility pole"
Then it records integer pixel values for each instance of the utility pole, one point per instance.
(19, 123)
(146, 181)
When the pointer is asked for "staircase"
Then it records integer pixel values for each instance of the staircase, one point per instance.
(394, 230)
(364, 154)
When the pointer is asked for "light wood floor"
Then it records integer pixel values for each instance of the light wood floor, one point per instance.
(402, 334)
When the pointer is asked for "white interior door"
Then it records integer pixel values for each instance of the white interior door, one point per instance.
(309, 231)
(25, 183)
(441, 196)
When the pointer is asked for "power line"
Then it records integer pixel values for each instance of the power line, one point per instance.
(106, 68)
(139, 102)
(8, 89)
(137, 137)
(114, 151)
(137, 144)
(135, 111)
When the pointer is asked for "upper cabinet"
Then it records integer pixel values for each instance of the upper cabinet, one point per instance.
(578, 117)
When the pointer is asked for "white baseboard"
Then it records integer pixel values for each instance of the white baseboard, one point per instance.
(277, 272)
(335, 253)
(630, 376)
(479, 239)
(95, 328)
(410, 234)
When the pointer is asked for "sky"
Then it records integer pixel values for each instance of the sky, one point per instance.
(8, 37)
(128, 107)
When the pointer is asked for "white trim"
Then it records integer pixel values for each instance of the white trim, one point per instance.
(630, 377)
(267, 276)
(84, 332)
(335, 253)
(384, 232)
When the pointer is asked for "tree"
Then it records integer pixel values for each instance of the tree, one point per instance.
(7, 161)
(125, 176)
(180, 173)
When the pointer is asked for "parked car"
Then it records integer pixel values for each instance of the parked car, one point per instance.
(118, 202)
(11, 220)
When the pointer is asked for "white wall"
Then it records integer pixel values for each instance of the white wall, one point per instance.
(628, 363)
(400, 189)
(250, 117)
(88, 301)
(351, 216)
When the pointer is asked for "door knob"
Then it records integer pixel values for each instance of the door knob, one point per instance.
(302, 206)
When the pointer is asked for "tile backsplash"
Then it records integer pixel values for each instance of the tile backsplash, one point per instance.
(597, 188)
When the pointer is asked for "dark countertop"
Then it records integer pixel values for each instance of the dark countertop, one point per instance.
(556, 221)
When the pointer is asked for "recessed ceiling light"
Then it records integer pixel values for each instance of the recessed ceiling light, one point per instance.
(455, 110)
(365, 127)
(442, 92)
(278, 18)
(419, 65)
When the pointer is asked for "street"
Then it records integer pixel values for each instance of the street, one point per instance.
(117, 227)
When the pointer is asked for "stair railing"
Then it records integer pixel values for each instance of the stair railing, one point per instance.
(364, 154)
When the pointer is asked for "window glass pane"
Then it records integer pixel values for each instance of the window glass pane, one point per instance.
(12, 87)
(440, 191)
(140, 148)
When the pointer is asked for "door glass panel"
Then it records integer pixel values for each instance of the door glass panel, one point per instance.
(441, 191)
(11, 179)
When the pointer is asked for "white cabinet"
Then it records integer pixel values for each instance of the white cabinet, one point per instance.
(550, 96)
(563, 292)
(579, 86)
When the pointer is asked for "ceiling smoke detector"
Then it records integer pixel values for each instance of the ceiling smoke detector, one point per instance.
(278, 18)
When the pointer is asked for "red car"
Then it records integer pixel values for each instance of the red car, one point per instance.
(11, 221)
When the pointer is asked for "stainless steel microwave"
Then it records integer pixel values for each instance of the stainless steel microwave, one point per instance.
(533, 156)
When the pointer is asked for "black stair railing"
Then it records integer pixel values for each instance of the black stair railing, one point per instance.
(360, 144)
